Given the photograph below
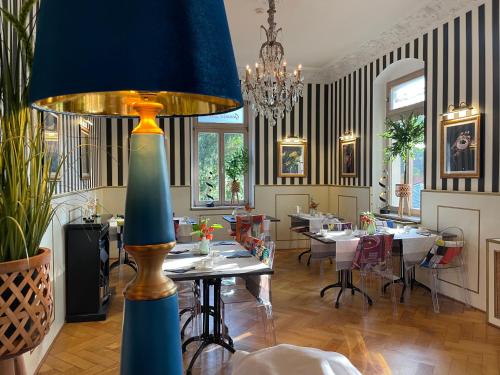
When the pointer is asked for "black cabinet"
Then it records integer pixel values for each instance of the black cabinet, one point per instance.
(87, 270)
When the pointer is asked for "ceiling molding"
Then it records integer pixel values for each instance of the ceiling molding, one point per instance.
(432, 15)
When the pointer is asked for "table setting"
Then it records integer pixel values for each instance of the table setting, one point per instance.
(416, 241)
(225, 257)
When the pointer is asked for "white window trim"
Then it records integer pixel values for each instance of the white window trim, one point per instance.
(417, 109)
(403, 110)
(221, 128)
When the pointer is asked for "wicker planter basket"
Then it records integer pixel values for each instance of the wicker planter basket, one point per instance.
(235, 191)
(26, 304)
(403, 190)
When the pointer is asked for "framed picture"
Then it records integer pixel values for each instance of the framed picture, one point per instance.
(460, 147)
(84, 152)
(348, 158)
(292, 158)
(52, 145)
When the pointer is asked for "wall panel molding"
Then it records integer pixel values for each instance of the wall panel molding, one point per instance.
(477, 214)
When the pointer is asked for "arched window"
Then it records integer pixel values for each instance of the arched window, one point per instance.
(406, 95)
(398, 91)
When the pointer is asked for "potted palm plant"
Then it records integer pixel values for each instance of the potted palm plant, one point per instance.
(236, 167)
(26, 190)
(403, 135)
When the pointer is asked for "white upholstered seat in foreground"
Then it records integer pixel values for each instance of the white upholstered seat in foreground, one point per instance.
(291, 360)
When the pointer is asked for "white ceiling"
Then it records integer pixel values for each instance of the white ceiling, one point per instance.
(320, 33)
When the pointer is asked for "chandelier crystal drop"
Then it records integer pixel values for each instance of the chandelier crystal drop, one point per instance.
(272, 90)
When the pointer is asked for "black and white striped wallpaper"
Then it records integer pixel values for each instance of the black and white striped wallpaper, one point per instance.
(462, 63)
(68, 125)
(310, 119)
(115, 134)
(70, 147)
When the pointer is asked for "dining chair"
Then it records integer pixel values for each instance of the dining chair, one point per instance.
(256, 296)
(373, 259)
(447, 254)
(189, 307)
(248, 225)
(188, 291)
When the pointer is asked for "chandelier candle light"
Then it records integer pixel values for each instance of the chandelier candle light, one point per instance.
(272, 91)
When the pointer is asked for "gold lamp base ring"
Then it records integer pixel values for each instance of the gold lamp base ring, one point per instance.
(150, 283)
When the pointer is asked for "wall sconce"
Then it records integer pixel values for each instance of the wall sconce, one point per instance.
(348, 136)
(462, 111)
(293, 139)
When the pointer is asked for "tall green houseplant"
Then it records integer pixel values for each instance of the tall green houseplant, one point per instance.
(26, 192)
(403, 135)
(236, 167)
(25, 184)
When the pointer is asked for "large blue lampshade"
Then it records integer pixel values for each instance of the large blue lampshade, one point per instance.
(98, 57)
(147, 57)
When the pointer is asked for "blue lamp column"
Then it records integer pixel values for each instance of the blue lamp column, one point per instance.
(151, 298)
(174, 58)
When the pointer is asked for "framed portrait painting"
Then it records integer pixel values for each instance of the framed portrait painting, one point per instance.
(84, 152)
(461, 147)
(348, 158)
(52, 145)
(292, 158)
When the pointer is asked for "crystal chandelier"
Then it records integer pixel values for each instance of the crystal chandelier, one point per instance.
(272, 91)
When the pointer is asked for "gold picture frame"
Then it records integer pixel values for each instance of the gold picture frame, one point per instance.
(292, 158)
(460, 153)
(52, 144)
(84, 152)
(348, 158)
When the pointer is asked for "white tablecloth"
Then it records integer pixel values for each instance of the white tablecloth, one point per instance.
(316, 222)
(287, 359)
(415, 246)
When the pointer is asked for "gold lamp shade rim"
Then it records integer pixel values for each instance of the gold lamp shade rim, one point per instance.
(121, 103)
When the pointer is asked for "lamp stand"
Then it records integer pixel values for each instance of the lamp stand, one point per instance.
(151, 342)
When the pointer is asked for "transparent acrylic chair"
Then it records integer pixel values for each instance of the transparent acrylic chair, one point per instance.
(254, 300)
(447, 254)
(189, 307)
(189, 297)
(373, 259)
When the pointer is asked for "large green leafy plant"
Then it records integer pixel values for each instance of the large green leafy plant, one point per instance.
(404, 135)
(237, 164)
(25, 184)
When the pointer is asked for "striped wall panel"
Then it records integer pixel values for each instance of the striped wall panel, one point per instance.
(68, 125)
(115, 133)
(462, 63)
(70, 147)
(309, 119)
(352, 108)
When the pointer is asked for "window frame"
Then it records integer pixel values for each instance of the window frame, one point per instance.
(417, 109)
(220, 129)
(410, 108)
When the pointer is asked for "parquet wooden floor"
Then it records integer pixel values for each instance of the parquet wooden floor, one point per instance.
(413, 342)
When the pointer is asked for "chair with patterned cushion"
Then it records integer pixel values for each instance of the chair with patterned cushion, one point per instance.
(248, 225)
(447, 254)
(373, 259)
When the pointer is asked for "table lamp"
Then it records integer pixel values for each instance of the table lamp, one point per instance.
(139, 58)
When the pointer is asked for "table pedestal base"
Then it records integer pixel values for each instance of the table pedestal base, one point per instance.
(345, 282)
(207, 338)
(402, 280)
